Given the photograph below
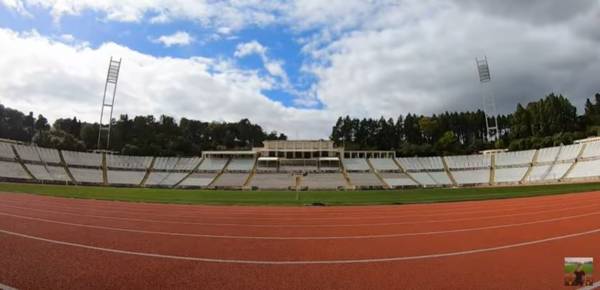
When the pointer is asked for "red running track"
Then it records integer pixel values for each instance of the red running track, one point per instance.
(58, 243)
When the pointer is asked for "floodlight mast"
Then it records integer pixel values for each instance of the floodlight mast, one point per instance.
(489, 102)
(110, 91)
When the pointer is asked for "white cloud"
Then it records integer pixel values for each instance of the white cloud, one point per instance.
(67, 37)
(249, 48)
(179, 38)
(60, 80)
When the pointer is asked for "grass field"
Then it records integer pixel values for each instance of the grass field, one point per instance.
(588, 268)
(294, 198)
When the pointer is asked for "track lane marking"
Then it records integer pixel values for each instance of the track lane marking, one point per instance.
(305, 262)
(301, 237)
(6, 287)
(298, 225)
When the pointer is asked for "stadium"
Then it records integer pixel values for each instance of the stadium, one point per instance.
(429, 179)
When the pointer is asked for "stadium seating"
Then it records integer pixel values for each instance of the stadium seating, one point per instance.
(569, 152)
(187, 163)
(468, 161)
(230, 179)
(164, 178)
(272, 181)
(471, 177)
(397, 179)
(198, 180)
(165, 163)
(125, 177)
(510, 174)
(586, 169)
(591, 150)
(514, 158)
(423, 178)
(212, 164)
(323, 181)
(38, 154)
(364, 179)
(128, 162)
(421, 163)
(48, 173)
(87, 175)
(441, 178)
(538, 173)
(384, 164)
(6, 151)
(558, 171)
(12, 170)
(356, 164)
(82, 158)
(240, 165)
(547, 154)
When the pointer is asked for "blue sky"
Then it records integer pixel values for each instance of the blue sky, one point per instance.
(294, 66)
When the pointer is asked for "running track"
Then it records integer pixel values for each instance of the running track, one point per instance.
(56, 243)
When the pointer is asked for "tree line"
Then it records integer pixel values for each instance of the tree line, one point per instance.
(140, 135)
(550, 121)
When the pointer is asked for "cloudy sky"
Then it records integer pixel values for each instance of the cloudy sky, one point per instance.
(293, 66)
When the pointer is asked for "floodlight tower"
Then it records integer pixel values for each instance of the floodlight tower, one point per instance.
(108, 101)
(489, 102)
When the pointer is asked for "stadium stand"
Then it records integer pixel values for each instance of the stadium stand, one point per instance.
(38, 154)
(6, 151)
(323, 181)
(128, 162)
(87, 175)
(364, 179)
(187, 163)
(356, 164)
(212, 164)
(547, 154)
(558, 171)
(468, 161)
(592, 150)
(48, 173)
(167, 179)
(472, 177)
(569, 152)
(13, 170)
(272, 181)
(82, 158)
(165, 163)
(510, 174)
(441, 178)
(586, 169)
(514, 158)
(125, 177)
(421, 163)
(198, 180)
(397, 179)
(230, 179)
(384, 164)
(240, 165)
(423, 178)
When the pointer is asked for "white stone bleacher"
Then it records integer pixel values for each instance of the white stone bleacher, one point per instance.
(197, 179)
(212, 164)
(467, 177)
(126, 177)
(514, 158)
(397, 179)
(538, 172)
(440, 177)
(298, 168)
(164, 178)
(323, 181)
(356, 164)
(187, 163)
(48, 173)
(165, 163)
(510, 174)
(423, 178)
(546, 155)
(468, 161)
(364, 179)
(240, 165)
(272, 180)
(38, 154)
(384, 164)
(9, 169)
(558, 171)
(585, 169)
(231, 179)
(592, 150)
(86, 175)
(128, 162)
(421, 163)
(6, 151)
(82, 158)
(569, 152)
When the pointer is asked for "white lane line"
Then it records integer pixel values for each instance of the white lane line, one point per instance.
(6, 287)
(301, 225)
(591, 287)
(306, 262)
(300, 237)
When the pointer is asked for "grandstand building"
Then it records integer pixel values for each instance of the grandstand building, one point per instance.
(301, 165)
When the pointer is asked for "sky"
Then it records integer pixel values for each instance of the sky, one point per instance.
(294, 66)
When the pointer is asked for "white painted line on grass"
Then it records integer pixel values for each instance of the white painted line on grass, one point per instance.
(300, 237)
(304, 262)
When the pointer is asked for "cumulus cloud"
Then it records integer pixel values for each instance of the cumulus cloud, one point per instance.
(179, 38)
(58, 80)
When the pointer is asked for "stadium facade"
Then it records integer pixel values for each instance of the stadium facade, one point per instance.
(302, 165)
